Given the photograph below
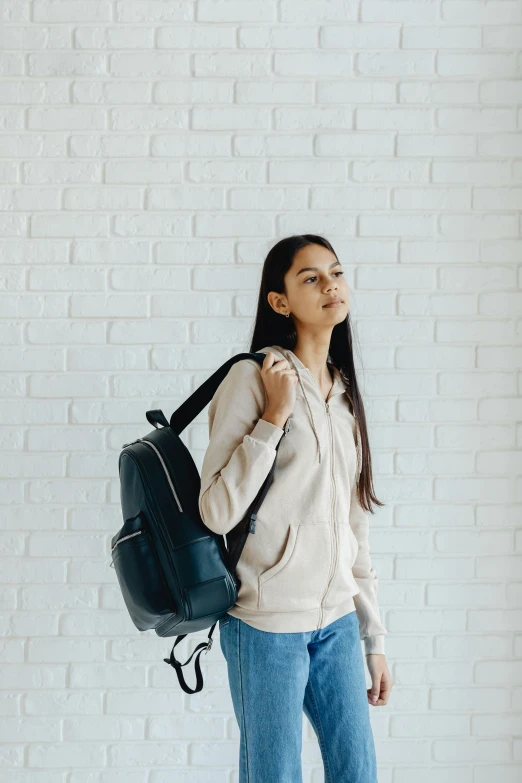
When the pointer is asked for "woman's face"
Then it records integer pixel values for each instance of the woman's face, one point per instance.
(314, 279)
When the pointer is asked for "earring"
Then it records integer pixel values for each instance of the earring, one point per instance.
(287, 315)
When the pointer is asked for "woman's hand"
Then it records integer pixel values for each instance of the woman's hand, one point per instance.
(381, 680)
(280, 382)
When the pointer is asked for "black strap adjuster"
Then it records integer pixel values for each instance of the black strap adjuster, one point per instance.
(177, 665)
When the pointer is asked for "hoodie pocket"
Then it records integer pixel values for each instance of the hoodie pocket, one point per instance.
(343, 584)
(349, 544)
(298, 580)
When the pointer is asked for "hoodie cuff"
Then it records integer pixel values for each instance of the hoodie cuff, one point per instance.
(374, 644)
(267, 432)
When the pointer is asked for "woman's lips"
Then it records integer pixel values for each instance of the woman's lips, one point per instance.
(333, 304)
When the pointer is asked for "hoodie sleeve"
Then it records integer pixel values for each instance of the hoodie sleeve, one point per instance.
(372, 631)
(241, 450)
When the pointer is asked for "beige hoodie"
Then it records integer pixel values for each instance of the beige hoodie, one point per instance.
(308, 562)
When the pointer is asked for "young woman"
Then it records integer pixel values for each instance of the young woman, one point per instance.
(308, 591)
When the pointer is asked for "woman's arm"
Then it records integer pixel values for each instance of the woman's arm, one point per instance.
(372, 631)
(241, 450)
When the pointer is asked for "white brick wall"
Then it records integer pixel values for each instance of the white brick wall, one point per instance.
(151, 153)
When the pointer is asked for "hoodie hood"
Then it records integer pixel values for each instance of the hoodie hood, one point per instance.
(337, 388)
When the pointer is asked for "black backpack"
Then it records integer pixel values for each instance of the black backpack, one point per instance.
(176, 575)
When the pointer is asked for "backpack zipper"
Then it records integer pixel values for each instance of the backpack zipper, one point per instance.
(130, 444)
(167, 474)
(165, 470)
(125, 538)
(120, 540)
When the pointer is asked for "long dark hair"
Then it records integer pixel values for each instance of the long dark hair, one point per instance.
(272, 328)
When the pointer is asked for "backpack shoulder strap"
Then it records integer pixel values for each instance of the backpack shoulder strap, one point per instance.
(193, 405)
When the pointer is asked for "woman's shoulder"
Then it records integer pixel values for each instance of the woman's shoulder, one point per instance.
(242, 381)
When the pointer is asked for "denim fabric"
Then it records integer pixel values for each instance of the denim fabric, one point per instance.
(275, 676)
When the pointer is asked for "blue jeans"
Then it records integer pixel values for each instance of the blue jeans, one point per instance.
(275, 676)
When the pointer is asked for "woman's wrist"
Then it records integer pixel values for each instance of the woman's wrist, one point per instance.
(274, 418)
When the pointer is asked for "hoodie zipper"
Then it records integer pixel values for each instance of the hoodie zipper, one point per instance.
(333, 526)
(331, 573)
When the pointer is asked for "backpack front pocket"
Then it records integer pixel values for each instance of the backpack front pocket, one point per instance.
(139, 574)
(298, 581)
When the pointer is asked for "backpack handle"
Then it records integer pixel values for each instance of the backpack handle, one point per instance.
(157, 417)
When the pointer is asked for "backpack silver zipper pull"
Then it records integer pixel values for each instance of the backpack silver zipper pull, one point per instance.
(131, 443)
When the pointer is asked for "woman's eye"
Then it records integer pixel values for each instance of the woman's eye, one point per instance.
(315, 276)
